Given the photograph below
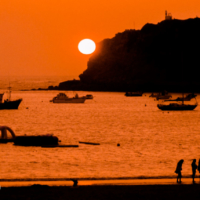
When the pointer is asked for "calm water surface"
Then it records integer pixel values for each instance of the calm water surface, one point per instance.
(151, 141)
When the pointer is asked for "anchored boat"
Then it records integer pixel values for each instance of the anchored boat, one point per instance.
(63, 98)
(134, 94)
(162, 95)
(8, 103)
(89, 96)
(179, 105)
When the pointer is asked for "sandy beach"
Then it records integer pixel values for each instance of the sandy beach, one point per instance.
(97, 190)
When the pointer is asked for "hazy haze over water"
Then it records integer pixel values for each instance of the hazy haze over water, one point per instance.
(151, 141)
(32, 82)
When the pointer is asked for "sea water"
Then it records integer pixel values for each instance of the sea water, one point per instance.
(136, 138)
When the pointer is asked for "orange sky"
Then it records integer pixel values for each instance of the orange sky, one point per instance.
(40, 37)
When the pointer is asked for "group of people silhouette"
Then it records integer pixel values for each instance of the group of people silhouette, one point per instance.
(194, 168)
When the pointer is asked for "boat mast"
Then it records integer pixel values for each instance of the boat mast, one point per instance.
(196, 101)
(1, 98)
(183, 98)
(9, 93)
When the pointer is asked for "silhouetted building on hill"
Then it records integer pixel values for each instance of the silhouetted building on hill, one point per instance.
(168, 16)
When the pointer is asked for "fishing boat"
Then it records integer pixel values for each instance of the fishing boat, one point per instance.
(63, 98)
(179, 105)
(133, 94)
(8, 103)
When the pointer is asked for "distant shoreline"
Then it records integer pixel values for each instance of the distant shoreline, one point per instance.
(123, 91)
(77, 85)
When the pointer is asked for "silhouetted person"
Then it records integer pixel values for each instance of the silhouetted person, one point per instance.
(75, 182)
(194, 168)
(198, 168)
(178, 170)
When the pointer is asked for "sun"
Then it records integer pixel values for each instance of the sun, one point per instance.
(86, 46)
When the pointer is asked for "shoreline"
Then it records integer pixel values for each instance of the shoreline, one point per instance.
(121, 91)
(99, 182)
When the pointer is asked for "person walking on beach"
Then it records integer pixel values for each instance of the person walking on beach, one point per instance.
(178, 170)
(199, 166)
(194, 168)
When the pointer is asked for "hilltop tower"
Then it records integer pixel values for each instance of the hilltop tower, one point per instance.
(168, 16)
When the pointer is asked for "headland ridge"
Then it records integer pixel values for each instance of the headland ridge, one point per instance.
(163, 56)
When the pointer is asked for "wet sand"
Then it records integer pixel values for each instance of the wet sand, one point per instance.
(104, 190)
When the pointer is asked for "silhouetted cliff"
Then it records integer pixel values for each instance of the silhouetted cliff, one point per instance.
(162, 56)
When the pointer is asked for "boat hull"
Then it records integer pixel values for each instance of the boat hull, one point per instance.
(10, 104)
(176, 107)
(69, 100)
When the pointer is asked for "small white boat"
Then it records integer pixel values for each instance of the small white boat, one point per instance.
(89, 96)
(63, 98)
(134, 94)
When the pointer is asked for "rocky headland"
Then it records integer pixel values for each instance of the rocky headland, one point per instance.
(163, 56)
